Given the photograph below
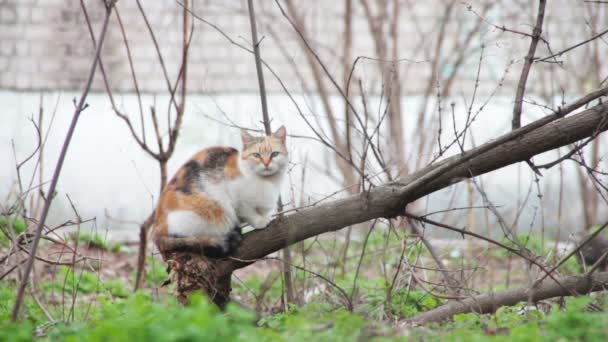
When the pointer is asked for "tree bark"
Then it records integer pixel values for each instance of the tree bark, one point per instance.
(389, 200)
(190, 272)
(489, 302)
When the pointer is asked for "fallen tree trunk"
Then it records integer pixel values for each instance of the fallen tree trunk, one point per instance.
(389, 200)
(489, 302)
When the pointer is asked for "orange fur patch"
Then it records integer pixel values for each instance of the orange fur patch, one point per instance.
(264, 148)
(178, 180)
(173, 199)
(200, 155)
(232, 170)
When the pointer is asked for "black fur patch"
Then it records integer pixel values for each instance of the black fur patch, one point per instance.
(210, 251)
(191, 176)
(217, 158)
(233, 241)
(215, 252)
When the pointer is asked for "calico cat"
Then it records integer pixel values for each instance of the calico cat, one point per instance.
(219, 187)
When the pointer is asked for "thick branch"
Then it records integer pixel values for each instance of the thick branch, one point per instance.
(389, 200)
(489, 302)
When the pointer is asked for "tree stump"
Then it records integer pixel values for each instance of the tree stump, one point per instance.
(190, 271)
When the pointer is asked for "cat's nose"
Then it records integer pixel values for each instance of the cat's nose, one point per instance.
(266, 162)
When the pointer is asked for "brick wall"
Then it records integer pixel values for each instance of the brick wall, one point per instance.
(45, 44)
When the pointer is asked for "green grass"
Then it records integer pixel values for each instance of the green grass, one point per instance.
(95, 240)
(140, 317)
(156, 272)
(108, 311)
(8, 223)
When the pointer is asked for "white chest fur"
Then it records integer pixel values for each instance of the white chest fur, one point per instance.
(258, 193)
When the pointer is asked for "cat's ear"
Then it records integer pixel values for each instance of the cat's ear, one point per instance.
(280, 134)
(246, 137)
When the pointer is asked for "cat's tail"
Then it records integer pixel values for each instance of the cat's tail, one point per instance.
(210, 246)
(225, 248)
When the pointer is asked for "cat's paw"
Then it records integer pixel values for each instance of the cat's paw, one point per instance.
(261, 222)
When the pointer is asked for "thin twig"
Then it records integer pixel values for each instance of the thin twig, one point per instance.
(258, 66)
(525, 254)
(564, 259)
(525, 71)
(558, 54)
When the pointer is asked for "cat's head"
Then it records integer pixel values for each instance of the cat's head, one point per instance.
(267, 155)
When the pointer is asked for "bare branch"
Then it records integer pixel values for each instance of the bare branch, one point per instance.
(525, 71)
(258, 66)
(489, 302)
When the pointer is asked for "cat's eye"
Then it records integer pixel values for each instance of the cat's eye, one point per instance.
(257, 155)
(274, 154)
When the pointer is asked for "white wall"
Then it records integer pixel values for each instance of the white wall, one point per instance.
(106, 172)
